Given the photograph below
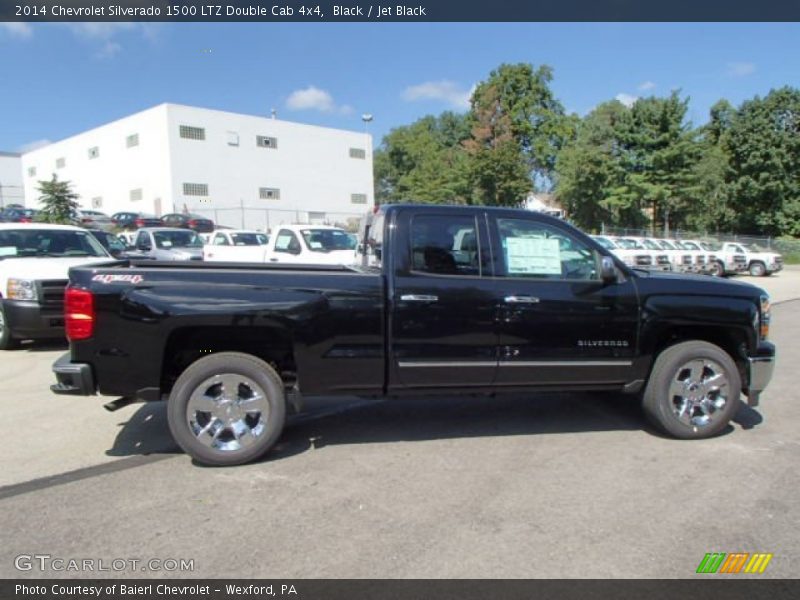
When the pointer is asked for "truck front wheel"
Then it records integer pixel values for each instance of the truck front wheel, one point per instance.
(7, 341)
(227, 409)
(758, 268)
(693, 391)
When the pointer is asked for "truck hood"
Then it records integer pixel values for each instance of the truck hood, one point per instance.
(661, 282)
(43, 267)
(334, 257)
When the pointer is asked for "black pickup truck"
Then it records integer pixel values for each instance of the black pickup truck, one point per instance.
(443, 299)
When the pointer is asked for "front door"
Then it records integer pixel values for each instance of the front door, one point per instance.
(559, 324)
(442, 322)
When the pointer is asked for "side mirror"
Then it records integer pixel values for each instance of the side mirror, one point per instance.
(608, 271)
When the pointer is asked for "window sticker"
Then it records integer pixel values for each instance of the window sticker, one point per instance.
(8, 250)
(534, 256)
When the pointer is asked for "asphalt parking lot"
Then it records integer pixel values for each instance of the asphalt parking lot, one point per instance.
(555, 485)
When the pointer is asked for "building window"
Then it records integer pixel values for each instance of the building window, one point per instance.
(31, 171)
(97, 202)
(233, 138)
(263, 141)
(61, 163)
(132, 140)
(136, 195)
(358, 198)
(269, 193)
(94, 152)
(358, 153)
(195, 189)
(192, 133)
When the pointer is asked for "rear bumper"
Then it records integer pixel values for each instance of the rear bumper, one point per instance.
(31, 320)
(760, 368)
(74, 379)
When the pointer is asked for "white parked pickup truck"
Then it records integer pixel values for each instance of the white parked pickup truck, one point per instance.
(311, 244)
(35, 259)
(759, 263)
(236, 245)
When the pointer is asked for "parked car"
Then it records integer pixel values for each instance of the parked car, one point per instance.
(236, 245)
(94, 219)
(633, 253)
(18, 215)
(167, 243)
(725, 261)
(34, 262)
(682, 261)
(111, 242)
(759, 263)
(197, 223)
(523, 302)
(311, 244)
(134, 220)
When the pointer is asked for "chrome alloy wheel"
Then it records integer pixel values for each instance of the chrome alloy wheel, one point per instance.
(698, 392)
(228, 412)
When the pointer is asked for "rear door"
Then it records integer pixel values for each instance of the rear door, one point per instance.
(559, 324)
(442, 321)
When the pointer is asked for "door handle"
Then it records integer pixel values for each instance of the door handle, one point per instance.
(521, 300)
(273, 260)
(419, 298)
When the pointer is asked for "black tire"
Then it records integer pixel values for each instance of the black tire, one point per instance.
(7, 341)
(661, 407)
(717, 269)
(202, 373)
(758, 269)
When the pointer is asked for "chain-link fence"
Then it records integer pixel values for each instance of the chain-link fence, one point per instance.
(266, 219)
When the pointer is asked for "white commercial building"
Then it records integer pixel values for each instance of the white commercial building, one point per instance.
(240, 170)
(11, 190)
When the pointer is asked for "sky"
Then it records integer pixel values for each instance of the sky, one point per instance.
(62, 79)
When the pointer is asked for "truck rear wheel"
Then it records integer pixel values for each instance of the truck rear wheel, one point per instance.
(227, 409)
(693, 391)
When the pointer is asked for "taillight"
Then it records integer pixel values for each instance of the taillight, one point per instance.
(78, 314)
(192, 223)
(25, 220)
(139, 222)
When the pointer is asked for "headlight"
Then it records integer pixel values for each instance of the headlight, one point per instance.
(21, 289)
(766, 314)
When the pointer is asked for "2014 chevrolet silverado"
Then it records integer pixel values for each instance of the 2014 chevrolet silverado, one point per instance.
(445, 299)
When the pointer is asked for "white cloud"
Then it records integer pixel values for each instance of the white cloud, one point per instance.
(446, 91)
(35, 145)
(109, 50)
(313, 98)
(646, 86)
(627, 99)
(17, 29)
(740, 69)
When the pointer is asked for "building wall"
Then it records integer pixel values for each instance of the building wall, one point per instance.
(310, 166)
(11, 190)
(108, 181)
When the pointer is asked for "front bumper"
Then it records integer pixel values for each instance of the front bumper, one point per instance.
(759, 371)
(30, 320)
(74, 379)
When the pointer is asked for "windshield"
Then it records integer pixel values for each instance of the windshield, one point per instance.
(177, 239)
(327, 240)
(245, 239)
(48, 242)
(629, 244)
(605, 243)
(651, 245)
(666, 245)
(710, 246)
(691, 246)
(263, 238)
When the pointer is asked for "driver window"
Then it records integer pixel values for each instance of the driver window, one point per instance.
(221, 240)
(143, 241)
(536, 250)
(286, 241)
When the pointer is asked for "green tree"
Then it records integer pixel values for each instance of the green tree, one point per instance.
(424, 162)
(589, 172)
(58, 201)
(518, 128)
(763, 142)
(659, 150)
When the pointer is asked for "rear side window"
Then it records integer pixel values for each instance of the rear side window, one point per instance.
(445, 245)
